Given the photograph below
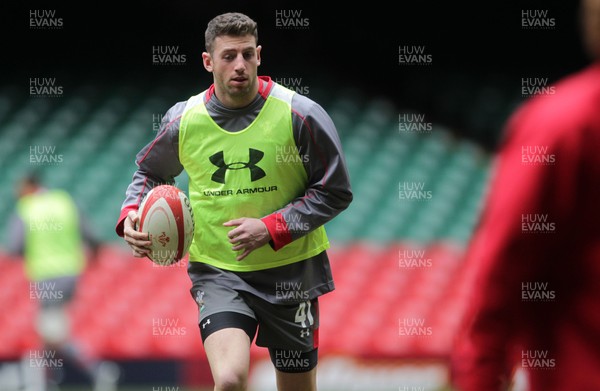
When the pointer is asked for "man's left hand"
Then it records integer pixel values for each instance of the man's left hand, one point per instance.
(248, 235)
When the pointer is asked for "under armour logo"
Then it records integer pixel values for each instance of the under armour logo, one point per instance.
(255, 156)
(304, 333)
(205, 324)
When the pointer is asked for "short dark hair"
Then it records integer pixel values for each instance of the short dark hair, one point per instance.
(32, 178)
(230, 23)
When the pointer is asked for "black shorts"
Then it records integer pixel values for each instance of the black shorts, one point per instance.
(290, 326)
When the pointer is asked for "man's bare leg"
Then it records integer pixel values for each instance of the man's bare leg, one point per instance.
(228, 352)
(301, 381)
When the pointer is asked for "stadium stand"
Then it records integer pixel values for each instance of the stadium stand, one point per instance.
(396, 259)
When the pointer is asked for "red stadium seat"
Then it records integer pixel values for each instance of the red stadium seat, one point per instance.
(374, 293)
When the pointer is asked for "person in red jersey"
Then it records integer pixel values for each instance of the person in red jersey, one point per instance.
(535, 257)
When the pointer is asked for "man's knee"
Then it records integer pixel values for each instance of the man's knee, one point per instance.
(228, 352)
(53, 325)
(231, 381)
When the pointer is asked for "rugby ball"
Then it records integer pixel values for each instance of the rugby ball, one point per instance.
(166, 215)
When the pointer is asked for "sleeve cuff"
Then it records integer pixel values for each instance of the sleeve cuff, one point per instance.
(278, 229)
(120, 222)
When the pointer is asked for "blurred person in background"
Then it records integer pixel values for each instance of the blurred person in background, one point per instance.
(535, 257)
(51, 234)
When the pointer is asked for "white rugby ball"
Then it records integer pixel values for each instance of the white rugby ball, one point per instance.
(167, 216)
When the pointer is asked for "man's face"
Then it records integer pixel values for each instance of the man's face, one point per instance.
(590, 14)
(25, 188)
(234, 63)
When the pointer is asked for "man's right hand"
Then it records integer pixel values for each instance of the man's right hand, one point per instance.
(138, 241)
